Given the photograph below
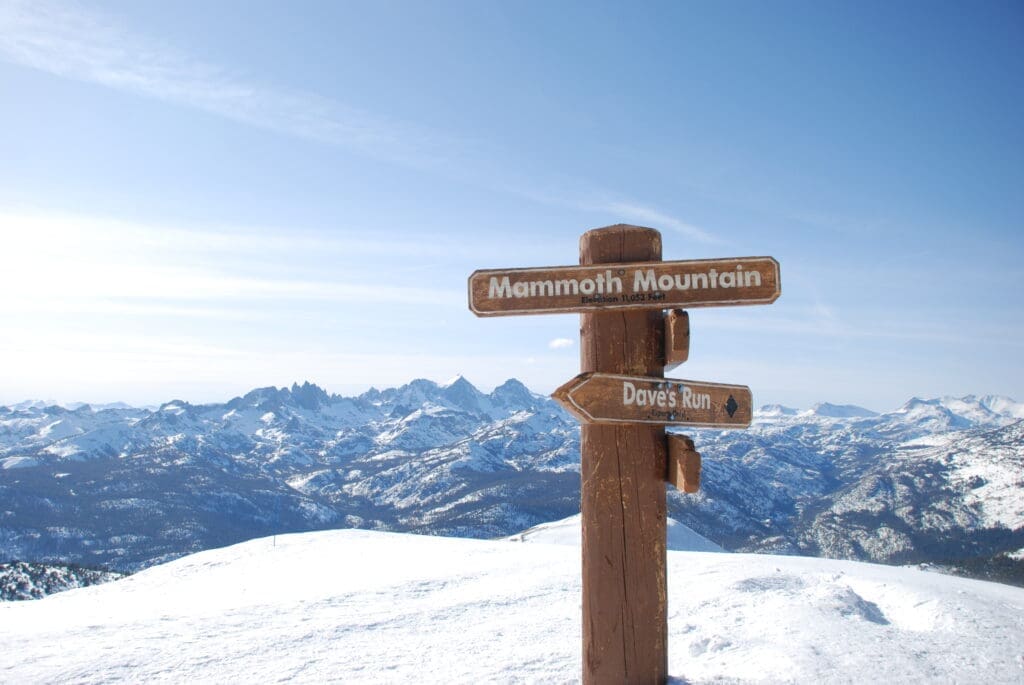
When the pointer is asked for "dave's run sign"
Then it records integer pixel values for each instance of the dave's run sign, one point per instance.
(610, 398)
(644, 285)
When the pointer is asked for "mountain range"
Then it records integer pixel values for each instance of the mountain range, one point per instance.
(937, 481)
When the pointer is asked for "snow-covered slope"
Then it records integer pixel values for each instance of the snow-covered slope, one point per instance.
(567, 532)
(369, 607)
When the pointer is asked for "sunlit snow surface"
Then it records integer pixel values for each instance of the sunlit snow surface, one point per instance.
(567, 532)
(360, 606)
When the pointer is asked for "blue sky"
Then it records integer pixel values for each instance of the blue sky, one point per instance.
(200, 198)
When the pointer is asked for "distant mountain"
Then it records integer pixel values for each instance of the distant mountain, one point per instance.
(841, 411)
(937, 480)
(949, 498)
(774, 410)
(126, 488)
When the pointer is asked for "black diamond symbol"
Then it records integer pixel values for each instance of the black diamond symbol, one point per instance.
(731, 406)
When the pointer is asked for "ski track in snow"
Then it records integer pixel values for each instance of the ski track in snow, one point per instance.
(360, 606)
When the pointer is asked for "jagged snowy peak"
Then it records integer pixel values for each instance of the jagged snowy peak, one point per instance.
(987, 410)
(441, 610)
(125, 487)
(305, 396)
(459, 395)
(1003, 406)
(309, 396)
(514, 396)
(949, 413)
(464, 395)
(282, 459)
(407, 397)
(917, 418)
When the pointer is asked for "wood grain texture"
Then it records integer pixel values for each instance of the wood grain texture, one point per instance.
(683, 464)
(623, 488)
(627, 283)
(613, 398)
(677, 338)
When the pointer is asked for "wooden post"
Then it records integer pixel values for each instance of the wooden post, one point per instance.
(623, 467)
(677, 338)
(683, 464)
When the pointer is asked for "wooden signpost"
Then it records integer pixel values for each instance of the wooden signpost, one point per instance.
(621, 290)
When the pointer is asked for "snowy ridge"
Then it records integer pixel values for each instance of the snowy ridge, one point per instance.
(567, 532)
(470, 611)
(932, 481)
(443, 459)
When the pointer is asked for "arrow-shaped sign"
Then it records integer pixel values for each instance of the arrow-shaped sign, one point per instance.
(611, 398)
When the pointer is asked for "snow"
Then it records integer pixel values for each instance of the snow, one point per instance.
(1003, 405)
(840, 411)
(774, 410)
(64, 451)
(567, 532)
(936, 440)
(58, 430)
(370, 607)
(18, 463)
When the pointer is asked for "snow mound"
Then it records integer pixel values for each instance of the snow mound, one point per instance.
(567, 532)
(361, 606)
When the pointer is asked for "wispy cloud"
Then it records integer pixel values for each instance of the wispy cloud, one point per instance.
(560, 343)
(657, 219)
(64, 262)
(86, 46)
(71, 42)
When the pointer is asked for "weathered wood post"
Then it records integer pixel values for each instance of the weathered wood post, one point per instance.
(623, 400)
(623, 466)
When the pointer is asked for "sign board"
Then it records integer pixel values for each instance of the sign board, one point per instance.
(611, 398)
(637, 285)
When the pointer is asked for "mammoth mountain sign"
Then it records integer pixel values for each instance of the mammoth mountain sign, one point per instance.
(640, 285)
